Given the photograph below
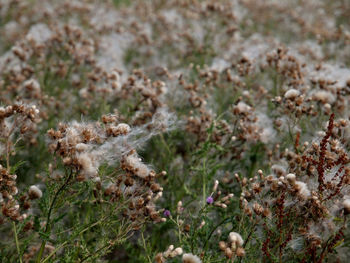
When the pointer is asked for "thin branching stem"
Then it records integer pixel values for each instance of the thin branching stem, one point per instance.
(48, 223)
(17, 242)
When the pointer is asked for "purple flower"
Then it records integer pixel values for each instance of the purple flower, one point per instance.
(166, 213)
(210, 200)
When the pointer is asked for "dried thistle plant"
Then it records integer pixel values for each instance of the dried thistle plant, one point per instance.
(174, 131)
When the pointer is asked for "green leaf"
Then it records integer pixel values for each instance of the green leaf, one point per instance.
(15, 167)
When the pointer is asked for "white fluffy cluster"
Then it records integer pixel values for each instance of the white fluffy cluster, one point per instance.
(34, 192)
(39, 33)
(122, 128)
(346, 204)
(292, 94)
(134, 161)
(323, 96)
(190, 258)
(116, 147)
(301, 187)
(291, 178)
(303, 190)
(102, 147)
(242, 108)
(88, 164)
(172, 252)
(236, 239)
(267, 134)
(32, 85)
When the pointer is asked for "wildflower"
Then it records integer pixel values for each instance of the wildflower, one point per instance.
(166, 213)
(210, 200)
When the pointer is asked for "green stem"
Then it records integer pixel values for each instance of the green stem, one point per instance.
(109, 245)
(17, 243)
(178, 227)
(48, 223)
(145, 247)
(197, 220)
(64, 243)
(204, 176)
(211, 233)
(165, 144)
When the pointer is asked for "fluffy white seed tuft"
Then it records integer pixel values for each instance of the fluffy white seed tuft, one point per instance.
(34, 192)
(346, 204)
(236, 238)
(292, 94)
(302, 189)
(190, 258)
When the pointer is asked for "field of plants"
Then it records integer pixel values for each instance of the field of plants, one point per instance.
(194, 131)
